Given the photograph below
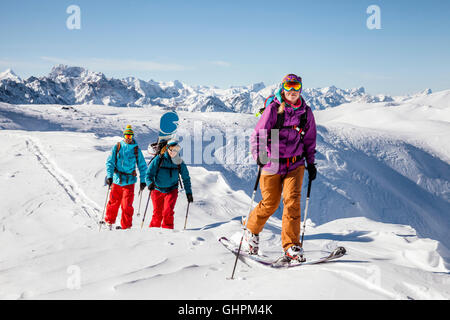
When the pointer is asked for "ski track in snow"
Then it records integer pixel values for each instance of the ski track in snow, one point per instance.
(67, 183)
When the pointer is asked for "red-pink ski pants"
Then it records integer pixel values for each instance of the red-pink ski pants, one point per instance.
(120, 196)
(163, 205)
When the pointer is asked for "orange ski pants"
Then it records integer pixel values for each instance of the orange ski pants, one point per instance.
(272, 186)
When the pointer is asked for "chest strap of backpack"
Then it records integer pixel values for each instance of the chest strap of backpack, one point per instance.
(300, 128)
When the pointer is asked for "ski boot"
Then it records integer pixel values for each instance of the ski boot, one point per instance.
(108, 225)
(295, 252)
(292, 255)
(251, 242)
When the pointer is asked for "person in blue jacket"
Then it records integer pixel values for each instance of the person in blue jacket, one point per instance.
(121, 176)
(163, 179)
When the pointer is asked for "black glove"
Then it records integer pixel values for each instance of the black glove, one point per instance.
(312, 171)
(151, 186)
(142, 186)
(108, 181)
(189, 197)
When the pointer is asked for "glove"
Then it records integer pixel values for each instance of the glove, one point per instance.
(312, 171)
(189, 197)
(151, 186)
(108, 181)
(142, 186)
(262, 160)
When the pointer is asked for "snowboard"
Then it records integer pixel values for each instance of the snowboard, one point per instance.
(168, 125)
(267, 262)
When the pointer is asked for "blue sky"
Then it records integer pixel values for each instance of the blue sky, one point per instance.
(225, 43)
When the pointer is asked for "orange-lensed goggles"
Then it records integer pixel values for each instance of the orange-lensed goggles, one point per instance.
(128, 136)
(288, 86)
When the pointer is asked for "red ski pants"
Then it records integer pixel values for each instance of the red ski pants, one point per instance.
(163, 205)
(120, 196)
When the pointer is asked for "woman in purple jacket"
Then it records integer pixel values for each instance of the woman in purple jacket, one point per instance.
(283, 139)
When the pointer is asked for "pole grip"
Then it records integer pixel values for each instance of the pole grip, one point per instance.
(309, 188)
(257, 178)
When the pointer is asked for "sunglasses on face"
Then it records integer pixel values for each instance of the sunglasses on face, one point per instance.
(128, 136)
(288, 86)
(174, 149)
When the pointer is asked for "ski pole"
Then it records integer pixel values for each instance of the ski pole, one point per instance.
(306, 210)
(140, 199)
(246, 220)
(104, 208)
(146, 206)
(185, 220)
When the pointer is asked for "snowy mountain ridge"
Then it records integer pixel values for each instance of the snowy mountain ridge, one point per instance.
(8, 74)
(69, 85)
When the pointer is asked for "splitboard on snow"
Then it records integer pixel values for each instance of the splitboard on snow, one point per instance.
(266, 261)
(110, 227)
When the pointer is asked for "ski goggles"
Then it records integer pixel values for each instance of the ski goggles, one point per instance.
(128, 136)
(288, 86)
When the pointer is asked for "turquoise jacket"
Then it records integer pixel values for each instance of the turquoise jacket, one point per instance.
(167, 178)
(126, 164)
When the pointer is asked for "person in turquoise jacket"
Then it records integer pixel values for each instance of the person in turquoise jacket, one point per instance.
(163, 179)
(121, 176)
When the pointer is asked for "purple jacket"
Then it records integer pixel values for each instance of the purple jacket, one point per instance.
(289, 140)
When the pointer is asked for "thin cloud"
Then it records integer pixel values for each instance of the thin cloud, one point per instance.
(221, 63)
(7, 63)
(118, 64)
(56, 60)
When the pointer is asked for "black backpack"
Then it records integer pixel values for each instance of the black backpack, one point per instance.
(280, 119)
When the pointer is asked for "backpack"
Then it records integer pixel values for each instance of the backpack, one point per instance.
(159, 148)
(280, 119)
(136, 154)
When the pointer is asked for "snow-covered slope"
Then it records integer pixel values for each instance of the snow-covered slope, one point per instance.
(75, 85)
(382, 191)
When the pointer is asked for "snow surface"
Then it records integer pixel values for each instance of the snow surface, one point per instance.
(382, 192)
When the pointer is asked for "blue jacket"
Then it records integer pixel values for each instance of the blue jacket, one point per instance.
(126, 163)
(167, 179)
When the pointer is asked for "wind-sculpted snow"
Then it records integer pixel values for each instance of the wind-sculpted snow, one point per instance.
(67, 85)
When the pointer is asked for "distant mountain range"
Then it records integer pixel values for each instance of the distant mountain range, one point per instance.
(68, 85)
